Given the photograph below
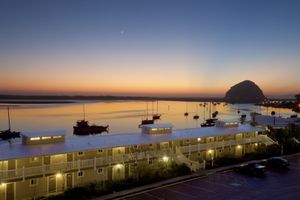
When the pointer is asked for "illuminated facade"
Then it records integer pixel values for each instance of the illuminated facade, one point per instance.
(47, 164)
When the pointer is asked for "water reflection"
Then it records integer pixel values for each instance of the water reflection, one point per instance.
(124, 116)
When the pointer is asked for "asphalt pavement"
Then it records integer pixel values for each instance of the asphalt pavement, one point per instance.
(276, 184)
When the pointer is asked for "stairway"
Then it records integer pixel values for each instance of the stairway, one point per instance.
(180, 159)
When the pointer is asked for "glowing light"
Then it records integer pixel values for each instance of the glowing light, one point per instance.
(34, 138)
(3, 184)
(198, 139)
(165, 158)
(239, 146)
(209, 151)
(58, 175)
(118, 166)
(255, 144)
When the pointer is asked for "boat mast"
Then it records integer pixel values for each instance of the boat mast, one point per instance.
(147, 111)
(152, 108)
(83, 107)
(209, 110)
(8, 116)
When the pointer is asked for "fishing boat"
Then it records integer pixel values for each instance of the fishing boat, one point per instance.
(8, 134)
(83, 128)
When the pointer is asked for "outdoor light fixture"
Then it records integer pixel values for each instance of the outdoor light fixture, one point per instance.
(199, 139)
(58, 175)
(239, 146)
(165, 158)
(3, 184)
(209, 151)
(118, 166)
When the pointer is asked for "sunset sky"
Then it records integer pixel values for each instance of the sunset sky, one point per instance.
(148, 47)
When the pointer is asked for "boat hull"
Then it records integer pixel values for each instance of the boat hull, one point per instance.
(89, 130)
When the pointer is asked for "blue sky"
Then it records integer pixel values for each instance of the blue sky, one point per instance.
(167, 47)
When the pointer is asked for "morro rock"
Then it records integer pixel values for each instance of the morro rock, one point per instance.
(244, 92)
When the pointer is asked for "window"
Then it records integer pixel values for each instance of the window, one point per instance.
(34, 138)
(100, 151)
(33, 182)
(80, 174)
(80, 153)
(100, 171)
(46, 137)
(150, 162)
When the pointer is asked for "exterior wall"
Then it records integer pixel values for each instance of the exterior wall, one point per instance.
(63, 171)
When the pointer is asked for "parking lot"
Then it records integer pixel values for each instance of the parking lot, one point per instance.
(277, 184)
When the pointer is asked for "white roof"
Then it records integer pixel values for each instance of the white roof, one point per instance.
(43, 133)
(84, 143)
(167, 125)
(267, 120)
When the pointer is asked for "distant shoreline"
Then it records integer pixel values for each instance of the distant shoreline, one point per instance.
(47, 99)
(21, 99)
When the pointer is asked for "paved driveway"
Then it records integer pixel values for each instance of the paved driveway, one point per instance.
(277, 184)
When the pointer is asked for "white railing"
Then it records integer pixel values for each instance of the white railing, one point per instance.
(22, 173)
(213, 145)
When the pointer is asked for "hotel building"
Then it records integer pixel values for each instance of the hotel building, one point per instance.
(42, 164)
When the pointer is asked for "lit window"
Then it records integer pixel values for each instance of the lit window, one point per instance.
(33, 182)
(46, 137)
(34, 138)
(80, 174)
(57, 136)
(154, 129)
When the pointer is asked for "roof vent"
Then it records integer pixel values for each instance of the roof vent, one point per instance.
(157, 128)
(43, 137)
(227, 123)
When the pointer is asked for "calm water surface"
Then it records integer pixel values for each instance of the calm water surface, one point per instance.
(122, 116)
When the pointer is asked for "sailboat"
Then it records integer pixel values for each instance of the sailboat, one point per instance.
(212, 120)
(186, 110)
(146, 121)
(155, 116)
(196, 117)
(8, 134)
(83, 128)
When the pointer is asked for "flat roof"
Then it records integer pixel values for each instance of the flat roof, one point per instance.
(17, 150)
(166, 125)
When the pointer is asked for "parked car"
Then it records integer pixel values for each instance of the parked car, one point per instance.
(253, 169)
(275, 162)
